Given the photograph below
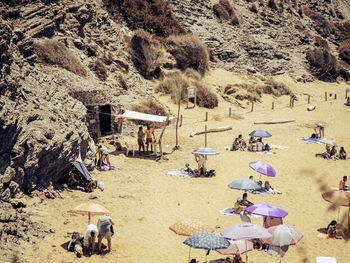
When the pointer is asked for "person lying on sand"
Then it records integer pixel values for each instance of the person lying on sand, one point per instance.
(333, 230)
(342, 184)
(269, 188)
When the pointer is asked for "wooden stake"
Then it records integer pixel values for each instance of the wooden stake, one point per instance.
(273, 105)
(180, 120)
(161, 136)
(335, 96)
(229, 112)
(252, 106)
(206, 116)
(325, 96)
(177, 123)
(205, 142)
(308, 99)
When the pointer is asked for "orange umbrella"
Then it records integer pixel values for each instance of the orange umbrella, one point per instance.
(337, 197)
(187, 227)
(89, 209)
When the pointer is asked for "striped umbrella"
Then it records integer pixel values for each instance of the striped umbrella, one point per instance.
(260, 133)
(188, 226)
(205, 151)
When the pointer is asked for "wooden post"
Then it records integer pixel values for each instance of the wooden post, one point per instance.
(252, 106)
(308, 99)
(180, 120)
(229, 112)
(273, 105)
(205, 130)
(325, 96)
(335, 96)
(206, 116)
(177, 123)
(195, 96)
(161, 136)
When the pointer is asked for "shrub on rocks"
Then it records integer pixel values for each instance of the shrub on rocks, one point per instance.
(224, 11)
(174, 84)
(99, 68)
(322, 63)
(205, 97)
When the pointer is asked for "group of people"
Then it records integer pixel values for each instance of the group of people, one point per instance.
(254, 145)
(49, 192)
(78, 181)
(149, 132)
(331, 153)
(87, 244)
(202, 169)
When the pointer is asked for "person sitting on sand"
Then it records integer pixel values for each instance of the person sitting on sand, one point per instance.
(188, 169)
(333, 230)
(200, 159)
(238, 207)
(252, 144)
(259, 145)
(269, 188)
(51, 193)
(245, 201)
(342, 154)
(235, 145)
(237, 258)
(342, 184)
(333, 153)
(242, 144)
(327, 153)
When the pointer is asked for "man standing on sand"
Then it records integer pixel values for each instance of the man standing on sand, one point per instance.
(140, 136)
(149, 132)
(342, 183)
(89, 238)
(105, 229)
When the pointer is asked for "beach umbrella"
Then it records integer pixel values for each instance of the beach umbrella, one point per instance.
(296, 235)
(338, 198)
(263, 168)
(328, 141)
(260, 133)
(89, 209)
(237, 246)
(244, 184)
(207, 241)
(266, 210)
(205, 151)
(245, 231)
(188, 226)
(282, 238)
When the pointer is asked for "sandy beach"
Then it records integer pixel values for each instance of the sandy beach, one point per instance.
(144, 201)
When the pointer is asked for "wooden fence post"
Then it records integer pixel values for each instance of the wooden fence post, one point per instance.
(229, 112)
(205, 140)
(325, 96)
(335, 96)
(273, 105)
(206, 116)
(308, 99)
(252, 106)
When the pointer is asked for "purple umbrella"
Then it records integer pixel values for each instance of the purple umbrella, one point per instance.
(263, 168)
(266, 210)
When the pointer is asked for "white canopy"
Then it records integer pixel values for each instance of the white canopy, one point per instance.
(143, 116)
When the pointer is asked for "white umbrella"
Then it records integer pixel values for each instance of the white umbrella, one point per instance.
(328, 141)
(281, 239)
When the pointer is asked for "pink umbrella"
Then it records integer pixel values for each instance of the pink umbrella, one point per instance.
(237, 246)
(297, 235)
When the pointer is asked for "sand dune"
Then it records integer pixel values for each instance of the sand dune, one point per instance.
(145, 201)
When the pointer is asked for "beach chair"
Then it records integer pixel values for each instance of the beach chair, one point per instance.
(129, 148)
(326, 260)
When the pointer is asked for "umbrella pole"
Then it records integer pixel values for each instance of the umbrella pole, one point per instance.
(246, 253)
(338, 212)
(89, 216)
(280, 258)
(189, 255)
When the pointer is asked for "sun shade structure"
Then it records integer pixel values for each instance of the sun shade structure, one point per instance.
(188, 226)
(263, 168)
(260, 133)
(244, 184)
(328, 141)
(266, 210)
(128, 114)
(338, 197)
(296, 235)
(89, 209)
(82, 170)
(237, 246)
(205, 151)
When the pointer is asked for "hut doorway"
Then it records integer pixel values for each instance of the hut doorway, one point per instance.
(105, 119)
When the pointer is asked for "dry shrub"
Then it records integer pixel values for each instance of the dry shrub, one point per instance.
(189, 52)
(107, 58)
(205, 97)
(52, 52)
(92, 50)
(148, 54)
(322, 63)
(275, 88)
(122, 82)
(320, 42)
(149, 106)
(339, 14)
(343, 30)
(321, 24)
(224, 11)
(99, 68)
(253, 8)
(192, 74)
(174, 84)
(344, 51)
(299, 27)
(344, 70)
(154, 16)
(272, 4)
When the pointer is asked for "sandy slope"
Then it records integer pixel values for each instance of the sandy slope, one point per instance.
(145, 201)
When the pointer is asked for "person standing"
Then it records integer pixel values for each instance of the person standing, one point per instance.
(342, 184)
(140, 136)
(105, 230)
(90, 237)
(149, 132)
(103, 155)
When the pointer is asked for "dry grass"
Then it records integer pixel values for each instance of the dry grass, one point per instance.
(323, 64)
(52, 52)
(189, 52)
(321, 24)
(224, 11)
(272, 4)
(154, 16)
(320, 42)
(205, 97)
(175, 84)
(108, 58)
(344, 51)
(99, 68)
(148, 54)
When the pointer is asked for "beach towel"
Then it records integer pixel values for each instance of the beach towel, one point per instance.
(310, 140)
(267, 153)
(281, 147)
(261, 191)
(106, 167)
(325, 260)
(229, 211)
(182, 173)
(270, 251)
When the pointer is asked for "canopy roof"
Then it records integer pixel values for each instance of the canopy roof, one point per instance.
(143, 116)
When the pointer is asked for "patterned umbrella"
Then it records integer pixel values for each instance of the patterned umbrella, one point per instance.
(89, 209)
(296, 235)
(205, 151)
(237, 246)
(207, 241)
(244, 184)
(266, 210)
(187, 227)
(263, 168)
(260, 133)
